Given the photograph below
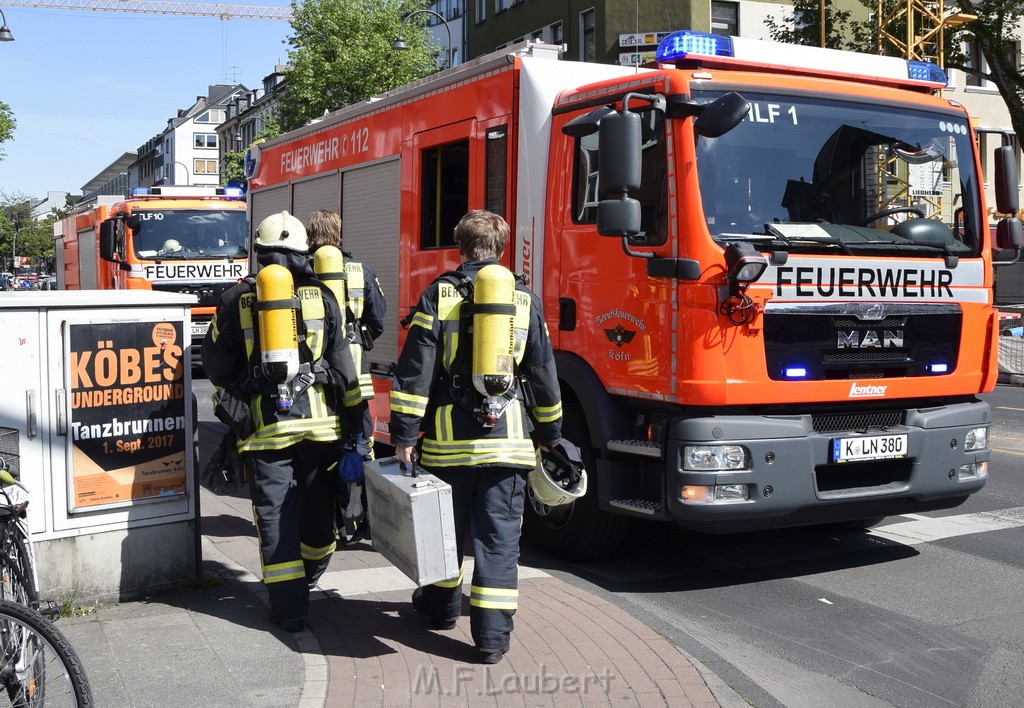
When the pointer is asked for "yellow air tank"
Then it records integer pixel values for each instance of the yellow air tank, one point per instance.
(493, 337)
(279, 345)
(329, 266)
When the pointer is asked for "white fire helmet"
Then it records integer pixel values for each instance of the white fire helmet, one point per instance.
(559, 477)
(282, 231)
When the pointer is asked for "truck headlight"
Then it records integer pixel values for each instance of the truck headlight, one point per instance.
(711, 458)
(977, 439)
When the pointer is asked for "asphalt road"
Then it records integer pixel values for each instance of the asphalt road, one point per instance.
(922, 611)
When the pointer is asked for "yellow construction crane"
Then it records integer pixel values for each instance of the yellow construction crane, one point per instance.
(221, 10)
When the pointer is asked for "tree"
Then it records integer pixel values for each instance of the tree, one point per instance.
(997, 36)
(7, 126)
(233, 171)
(842, 31)
(19, 231)
(341, 54)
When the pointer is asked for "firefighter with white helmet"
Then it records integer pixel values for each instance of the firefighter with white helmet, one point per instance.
(482, 411)
(289, 387)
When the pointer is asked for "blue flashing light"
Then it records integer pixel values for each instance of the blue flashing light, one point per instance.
(140, 191)
(926, 71)
(938, 368)
(233, 192)
(795, 372)
(678, 45)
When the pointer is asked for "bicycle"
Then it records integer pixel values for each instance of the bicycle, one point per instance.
(18, 581)
(38, 666)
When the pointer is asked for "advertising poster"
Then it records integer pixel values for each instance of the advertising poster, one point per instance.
(128, 413)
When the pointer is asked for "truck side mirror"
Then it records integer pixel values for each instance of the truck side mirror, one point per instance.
(721, 115)
(618, 143)
(618, 217)
(1007, 199)
(108, 239)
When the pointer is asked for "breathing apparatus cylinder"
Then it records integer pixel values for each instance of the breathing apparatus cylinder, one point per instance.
(329, 266)
(279, 341)
(493, 338)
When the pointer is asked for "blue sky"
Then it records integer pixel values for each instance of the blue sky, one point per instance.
(86, 86)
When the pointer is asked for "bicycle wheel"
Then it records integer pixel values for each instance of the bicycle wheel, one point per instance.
(38, 666)
(17, 579)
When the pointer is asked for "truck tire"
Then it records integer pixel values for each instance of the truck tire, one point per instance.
(577, 531)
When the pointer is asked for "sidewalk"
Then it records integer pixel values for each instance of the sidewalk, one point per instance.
(364, 644)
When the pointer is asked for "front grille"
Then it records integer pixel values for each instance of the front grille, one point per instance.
(830, 345)
(208, 293)
(862, 475)
(828, 423)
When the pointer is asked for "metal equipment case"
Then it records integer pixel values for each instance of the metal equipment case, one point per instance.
(412, 521)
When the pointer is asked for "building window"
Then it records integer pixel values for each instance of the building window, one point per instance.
(537, 36)
(588, 35)
(725, 18)
(481, 11)
(204, 167)
(976, 59)
(500, 5)
(495, 170)
(214, 115)
(206, 140)
(556, 33)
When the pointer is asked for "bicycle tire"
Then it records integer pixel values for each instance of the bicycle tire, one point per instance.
(18, 576)
(38, 665)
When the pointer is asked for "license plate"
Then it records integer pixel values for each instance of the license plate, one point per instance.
(870, 447)
(199, 329)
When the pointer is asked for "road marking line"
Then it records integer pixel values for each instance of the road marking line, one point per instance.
(1008, 408)
(1008, 452)
(912, 533)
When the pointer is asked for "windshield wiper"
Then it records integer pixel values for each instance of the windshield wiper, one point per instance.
(805, 235)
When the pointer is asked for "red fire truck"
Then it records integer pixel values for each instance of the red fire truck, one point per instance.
(191, 240)
(765, 268)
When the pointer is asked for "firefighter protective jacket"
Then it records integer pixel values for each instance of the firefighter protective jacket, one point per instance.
(327, 404)
(367, 306)
(428, 394)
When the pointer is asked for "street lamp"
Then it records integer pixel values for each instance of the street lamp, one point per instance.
(400, 44)
(184, 167)
(5, 31)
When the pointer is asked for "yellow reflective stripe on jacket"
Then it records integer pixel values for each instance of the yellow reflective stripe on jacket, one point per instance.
(315, 554)
(451, 583)
(408, 403)
(355, 281)
(422, 320)
(280, 572)
(548, 414)
(494, 598)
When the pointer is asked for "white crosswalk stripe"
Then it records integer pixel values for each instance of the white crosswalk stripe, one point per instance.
(922, 529)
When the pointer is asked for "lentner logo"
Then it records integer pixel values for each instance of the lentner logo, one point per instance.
(866, 391)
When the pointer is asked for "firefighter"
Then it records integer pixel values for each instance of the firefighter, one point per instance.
(290, 389)
(482, 449)
(366, 308)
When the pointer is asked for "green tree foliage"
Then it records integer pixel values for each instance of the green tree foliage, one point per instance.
(341, 54)
(7, 126)
(233, 170)
(20, 232)
(998, 38)
(842, 29)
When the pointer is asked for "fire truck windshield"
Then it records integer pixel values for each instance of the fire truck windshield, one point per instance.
(811, 175)
(188, 234)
